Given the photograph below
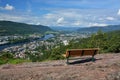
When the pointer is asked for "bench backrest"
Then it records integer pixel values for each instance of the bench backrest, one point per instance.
(81, 52)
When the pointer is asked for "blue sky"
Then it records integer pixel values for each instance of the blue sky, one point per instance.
(68, 13)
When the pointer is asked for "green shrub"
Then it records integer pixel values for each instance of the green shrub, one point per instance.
(17, 61)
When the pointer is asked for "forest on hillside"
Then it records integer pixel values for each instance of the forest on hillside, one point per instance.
(15, 28)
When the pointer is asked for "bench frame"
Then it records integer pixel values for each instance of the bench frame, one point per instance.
(81, 52)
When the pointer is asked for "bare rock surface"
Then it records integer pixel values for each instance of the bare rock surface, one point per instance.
(105, 67)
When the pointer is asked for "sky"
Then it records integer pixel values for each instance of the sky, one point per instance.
(65, 13)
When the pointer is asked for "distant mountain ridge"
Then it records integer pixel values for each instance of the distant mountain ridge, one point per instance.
(11, 28)
(59, 28)
(92, 29)
(96, 28)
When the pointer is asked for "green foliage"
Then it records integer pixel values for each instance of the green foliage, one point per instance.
(52, 54)
(6, 55)
(17, 61)
(9, 58)
(56, 53)
(114, 44)
(107, 42)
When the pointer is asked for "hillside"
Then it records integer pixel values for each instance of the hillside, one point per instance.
(106, 67)
(11, 28)
(96, 28)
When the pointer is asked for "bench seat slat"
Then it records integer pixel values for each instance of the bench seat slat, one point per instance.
(81, 52)
(74, 53)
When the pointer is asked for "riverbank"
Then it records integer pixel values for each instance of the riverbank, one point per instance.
(26, 41)
(106, 67)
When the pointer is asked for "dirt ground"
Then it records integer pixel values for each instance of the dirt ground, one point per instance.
(105, 67)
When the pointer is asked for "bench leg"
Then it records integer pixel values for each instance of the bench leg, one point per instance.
(93, 59)
(67, 61)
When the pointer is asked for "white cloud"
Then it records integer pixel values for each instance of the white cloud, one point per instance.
(77, 23)
(65, 17)
(60, 20)
(9, 17)
(110, 18)
(49, 16)
(118, 12)
(38, 23)
(7, 7)
(101, 19)
(75, 18)
(97, 24)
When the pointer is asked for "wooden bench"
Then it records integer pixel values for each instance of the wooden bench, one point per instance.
(81, 52)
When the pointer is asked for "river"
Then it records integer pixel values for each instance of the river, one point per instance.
(45, 37)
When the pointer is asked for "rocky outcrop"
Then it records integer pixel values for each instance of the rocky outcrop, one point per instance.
(105, 67)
